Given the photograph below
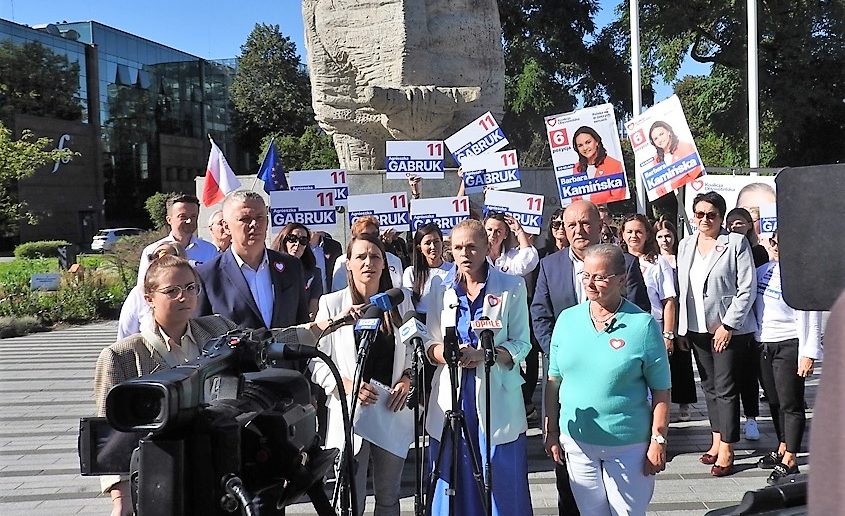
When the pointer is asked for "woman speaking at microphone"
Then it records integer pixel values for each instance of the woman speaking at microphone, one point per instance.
(479, 289)
(388, 363)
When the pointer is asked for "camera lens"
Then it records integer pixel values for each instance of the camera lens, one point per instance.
(144, 406)
(132, 407)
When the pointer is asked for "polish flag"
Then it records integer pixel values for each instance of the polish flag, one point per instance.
(219, 178)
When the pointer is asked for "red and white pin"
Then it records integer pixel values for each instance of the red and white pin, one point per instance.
(493, 300)
(279, 266)
(617, 343)
(720, 248)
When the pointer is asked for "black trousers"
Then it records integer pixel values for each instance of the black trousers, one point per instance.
(749, 387)
(720, 373)
(532, 371)
(566, 505)
(683, 380)
(785, 390)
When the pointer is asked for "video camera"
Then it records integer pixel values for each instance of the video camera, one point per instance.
(220, 433)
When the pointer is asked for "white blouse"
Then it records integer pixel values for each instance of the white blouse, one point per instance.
(659, 282)
(435, 275)
(696, 321)
(517, 261)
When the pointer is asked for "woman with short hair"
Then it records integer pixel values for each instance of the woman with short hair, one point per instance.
(717, 281)
(606, 355)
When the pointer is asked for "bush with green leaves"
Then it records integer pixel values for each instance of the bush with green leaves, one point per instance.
(40, 248)
(18, 326)
(156, 206)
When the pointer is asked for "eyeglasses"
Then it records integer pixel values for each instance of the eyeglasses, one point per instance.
(557, 224)
(176, 291)
(218, 223)
(773, 242)
(293, 239)
(586, 277)
(711, 215)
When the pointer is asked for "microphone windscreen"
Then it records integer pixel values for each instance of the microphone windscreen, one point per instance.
(411, 314)
(373, 312)
(294, 335)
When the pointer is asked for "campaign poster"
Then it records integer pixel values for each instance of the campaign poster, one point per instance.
(480, 136)
(496, 170)
(391, 209)
(526, 208)
(321, 179)
(749, 192)
(768, 220)
(587, 156)
(446, 212)
(423, 159)
(312, 208)
(665, 154)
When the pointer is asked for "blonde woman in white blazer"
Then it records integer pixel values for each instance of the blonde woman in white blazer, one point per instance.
(717, 282)
(388, 362)
(478, 289)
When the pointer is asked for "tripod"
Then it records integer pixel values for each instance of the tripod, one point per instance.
(419, 427)
(454, 426)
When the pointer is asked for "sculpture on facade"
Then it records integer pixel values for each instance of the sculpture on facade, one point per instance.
(401, 69)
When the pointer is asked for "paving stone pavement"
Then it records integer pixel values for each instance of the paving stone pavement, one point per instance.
(46, 385)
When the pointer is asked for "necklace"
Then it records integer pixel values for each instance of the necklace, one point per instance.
(604, 322)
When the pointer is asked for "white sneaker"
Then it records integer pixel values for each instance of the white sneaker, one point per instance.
(752, 433)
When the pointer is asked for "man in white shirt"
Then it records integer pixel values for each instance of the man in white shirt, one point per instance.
(366, 225)
(182, 213)
(219, 237)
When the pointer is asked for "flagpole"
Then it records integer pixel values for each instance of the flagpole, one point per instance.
(753, 91)
(636, 93)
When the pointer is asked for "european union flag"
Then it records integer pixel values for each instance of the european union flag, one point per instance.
(272, 172)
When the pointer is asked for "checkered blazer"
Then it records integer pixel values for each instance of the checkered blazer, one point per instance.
(133, 356)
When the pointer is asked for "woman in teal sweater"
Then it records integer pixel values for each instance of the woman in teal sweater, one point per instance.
(606, 355)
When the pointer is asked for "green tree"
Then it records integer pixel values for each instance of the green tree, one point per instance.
(20, 159)
(271, 91)
(801, 76)
(313, 150)
(36, 81)
(555, 57)
(156, 206)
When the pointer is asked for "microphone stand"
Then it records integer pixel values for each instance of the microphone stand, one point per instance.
(454, 425)
(348, 455)
(419, 428)
(489, 361)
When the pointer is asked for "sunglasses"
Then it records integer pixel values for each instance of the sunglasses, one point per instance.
(557, 224)
(711, 215)
(293, 239)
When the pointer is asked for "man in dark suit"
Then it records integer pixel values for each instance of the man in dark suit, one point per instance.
(326, 251)
(253, 286)
(559, 287)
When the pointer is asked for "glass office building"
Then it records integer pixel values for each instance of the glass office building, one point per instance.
(154, 106)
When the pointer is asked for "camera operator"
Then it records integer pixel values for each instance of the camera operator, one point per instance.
(172, 337)
(389, 360)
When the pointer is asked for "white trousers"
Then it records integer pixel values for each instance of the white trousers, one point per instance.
(608, 480)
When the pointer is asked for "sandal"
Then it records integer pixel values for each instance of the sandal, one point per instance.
(770, 460)
(708, 459)
(683, 414)
(781, 473)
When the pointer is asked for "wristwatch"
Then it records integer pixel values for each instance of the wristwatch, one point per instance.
(659, 439)
(669, 335)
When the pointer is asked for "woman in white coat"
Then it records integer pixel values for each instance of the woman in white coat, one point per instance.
(478, 289)
(388, 363)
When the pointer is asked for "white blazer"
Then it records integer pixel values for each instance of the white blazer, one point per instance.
(505, 299)
(340, 346)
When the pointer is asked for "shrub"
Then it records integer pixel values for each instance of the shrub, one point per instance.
(125, 255)
(157, 209)
(18, 326)
(18, 271)
(40, 248)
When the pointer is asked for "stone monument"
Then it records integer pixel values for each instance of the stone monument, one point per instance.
(401, 70)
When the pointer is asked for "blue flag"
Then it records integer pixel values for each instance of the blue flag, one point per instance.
(272, 172)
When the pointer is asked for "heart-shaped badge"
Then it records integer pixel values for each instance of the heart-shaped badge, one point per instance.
(697, 185)
(493, 300)
(551, 122)
(279, 266)
(720, 248)
(617, 343)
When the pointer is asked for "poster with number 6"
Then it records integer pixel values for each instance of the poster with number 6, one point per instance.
(664, 152)
(321, 179)
(446, 212)
(526, 208)
(587, 155)
(391, 209)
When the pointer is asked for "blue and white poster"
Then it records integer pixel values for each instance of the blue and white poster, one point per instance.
(423, 159)
(446, 212)
(497, 170)
(321, 179)
(313, 208)
(391, 209)
(526, 208)
(480, 136)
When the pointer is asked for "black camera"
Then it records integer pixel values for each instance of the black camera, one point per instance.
(222, 433)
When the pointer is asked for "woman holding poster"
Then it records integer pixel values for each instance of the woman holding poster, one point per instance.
(594, 161)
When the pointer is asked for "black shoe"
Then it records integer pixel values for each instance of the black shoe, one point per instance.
(781, 473)
(533, 416)
(770, 460)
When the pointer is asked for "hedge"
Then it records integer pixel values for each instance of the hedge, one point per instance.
(40, 249)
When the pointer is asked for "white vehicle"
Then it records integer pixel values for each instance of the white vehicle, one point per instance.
(106, 238)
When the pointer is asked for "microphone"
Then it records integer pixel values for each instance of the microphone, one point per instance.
(609, 327)
(413, 330)
(292, 343)
(451, 351)
(384, 301)
(368, 325)
(486, 328)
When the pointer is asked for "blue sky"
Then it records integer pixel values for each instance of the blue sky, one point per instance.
(209, 29)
